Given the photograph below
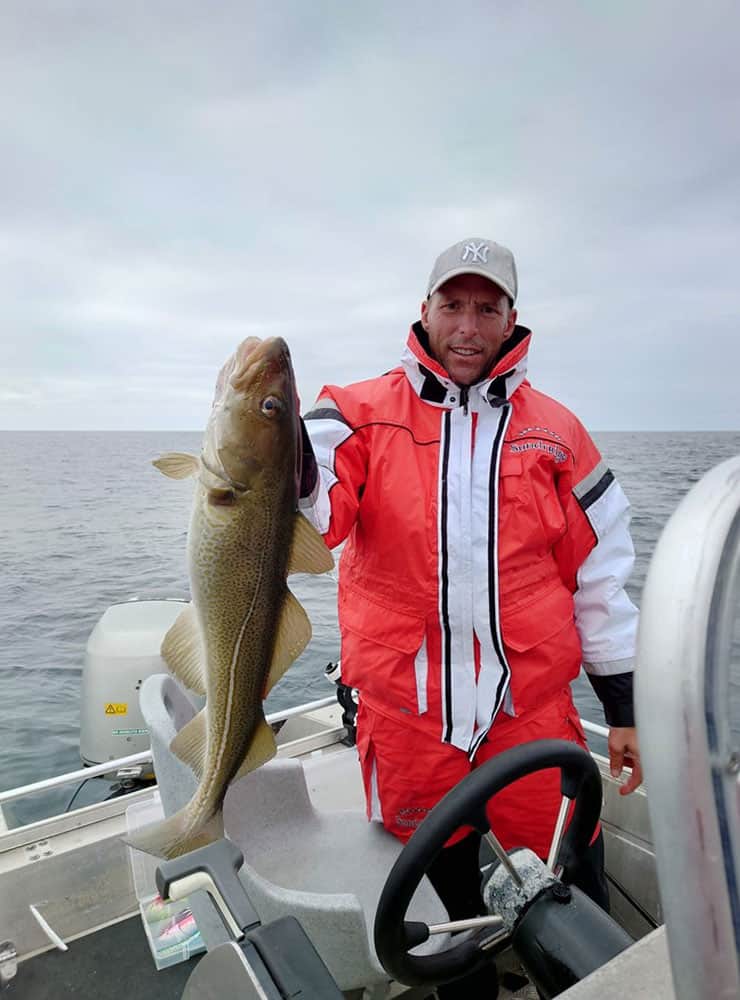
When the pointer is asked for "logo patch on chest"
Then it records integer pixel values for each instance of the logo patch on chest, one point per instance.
(536, 445)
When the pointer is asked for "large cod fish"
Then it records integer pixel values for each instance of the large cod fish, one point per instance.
(244, 627)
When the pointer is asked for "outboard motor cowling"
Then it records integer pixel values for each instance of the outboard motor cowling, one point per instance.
(122, 651)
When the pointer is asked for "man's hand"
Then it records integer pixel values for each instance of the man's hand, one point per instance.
(624, 751)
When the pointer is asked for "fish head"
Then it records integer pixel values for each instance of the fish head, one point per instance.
(254, 424)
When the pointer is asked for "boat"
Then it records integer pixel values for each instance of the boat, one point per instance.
(73, 902)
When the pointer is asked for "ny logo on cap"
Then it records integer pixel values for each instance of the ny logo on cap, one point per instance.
(476, 252)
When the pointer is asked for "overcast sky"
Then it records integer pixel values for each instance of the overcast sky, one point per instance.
(175, 176)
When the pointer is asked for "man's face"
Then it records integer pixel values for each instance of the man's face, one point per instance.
(467, 320)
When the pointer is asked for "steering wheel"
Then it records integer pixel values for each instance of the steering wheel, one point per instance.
(465, 804)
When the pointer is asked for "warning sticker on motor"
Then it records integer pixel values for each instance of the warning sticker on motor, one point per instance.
(113, 708)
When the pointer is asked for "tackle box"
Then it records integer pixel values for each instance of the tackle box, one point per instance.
(170, 927)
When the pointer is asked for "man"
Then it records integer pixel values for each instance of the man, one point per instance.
(487, 548)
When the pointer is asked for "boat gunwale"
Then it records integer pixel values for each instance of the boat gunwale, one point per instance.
(142, 757)
(96, 812)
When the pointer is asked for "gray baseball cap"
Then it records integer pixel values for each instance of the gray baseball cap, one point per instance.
(475, 256)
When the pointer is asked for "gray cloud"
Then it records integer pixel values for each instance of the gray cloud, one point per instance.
(173, 179)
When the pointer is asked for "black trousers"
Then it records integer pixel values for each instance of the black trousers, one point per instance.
(455, 875)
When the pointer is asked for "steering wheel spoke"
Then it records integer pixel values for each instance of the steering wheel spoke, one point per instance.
(557, 836)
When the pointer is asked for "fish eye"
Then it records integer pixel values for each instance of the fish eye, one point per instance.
(271, 406)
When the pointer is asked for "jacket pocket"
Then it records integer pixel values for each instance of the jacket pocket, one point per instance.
(528, 489)
(542, 646)
(511, 479)
(525, 627)
(381, 624)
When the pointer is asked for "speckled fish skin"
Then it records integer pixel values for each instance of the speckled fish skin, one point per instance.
(239, 545)
(238, 555)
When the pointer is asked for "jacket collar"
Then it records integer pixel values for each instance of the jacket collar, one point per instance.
(432, 383)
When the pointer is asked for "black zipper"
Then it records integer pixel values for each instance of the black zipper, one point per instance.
(464, 399)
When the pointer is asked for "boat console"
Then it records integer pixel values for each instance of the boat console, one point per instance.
(559, 934)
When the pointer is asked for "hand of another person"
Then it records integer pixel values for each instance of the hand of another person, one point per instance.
(624, 751)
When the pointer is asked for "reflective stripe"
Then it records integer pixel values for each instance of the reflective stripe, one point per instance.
(460, 577)
(376, 812)
(580, 489)
(590, 489)
(326, 413)
(608, 507)
(495, 673)
(328, 430)
(444, 623)
(468, 575)
(421, 669)
(508, 705)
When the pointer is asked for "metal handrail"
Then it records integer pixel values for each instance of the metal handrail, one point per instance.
(592, 727)
(143, 757)
(83, 773)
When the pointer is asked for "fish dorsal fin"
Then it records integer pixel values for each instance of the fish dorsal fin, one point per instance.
(182, 651)
(292, 635)
(308, 551)
(177, 465)
(190, 743)
(262, 748)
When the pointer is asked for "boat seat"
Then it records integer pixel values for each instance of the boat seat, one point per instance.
(325, 867)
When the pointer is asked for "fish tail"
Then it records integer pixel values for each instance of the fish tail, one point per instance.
(176, 835)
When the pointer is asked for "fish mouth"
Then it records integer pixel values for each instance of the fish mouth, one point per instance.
(256, 405)
(257, 359)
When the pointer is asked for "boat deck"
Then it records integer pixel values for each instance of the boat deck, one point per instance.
(111, 963)
(115, 962)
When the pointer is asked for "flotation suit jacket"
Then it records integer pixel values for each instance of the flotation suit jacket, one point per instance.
(487, 543)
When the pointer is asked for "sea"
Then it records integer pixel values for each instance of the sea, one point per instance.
(86, 522)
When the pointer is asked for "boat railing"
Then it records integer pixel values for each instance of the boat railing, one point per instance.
(130, 766)
(595, 729)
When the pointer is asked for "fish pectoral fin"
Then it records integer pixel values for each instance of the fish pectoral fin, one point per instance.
(292, 636)
(191, 742)
(262, 748)
(177, 465)
(308, 551)
(182, 651)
